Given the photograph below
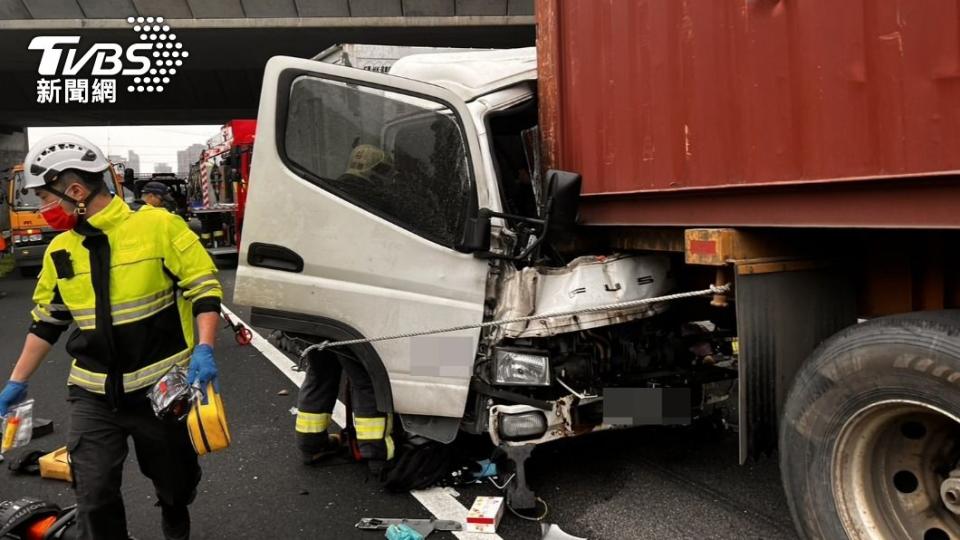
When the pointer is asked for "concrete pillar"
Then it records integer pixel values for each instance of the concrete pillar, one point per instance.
(13, 148)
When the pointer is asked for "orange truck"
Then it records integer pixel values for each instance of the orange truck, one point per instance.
(29, 232)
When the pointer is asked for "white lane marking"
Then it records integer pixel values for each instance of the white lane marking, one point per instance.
(284, 364)
(442, 503)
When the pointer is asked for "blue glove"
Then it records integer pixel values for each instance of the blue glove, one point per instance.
(12, 393)
(203, 369)
(402, 532)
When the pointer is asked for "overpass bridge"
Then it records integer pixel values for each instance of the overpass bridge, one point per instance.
(229, 41)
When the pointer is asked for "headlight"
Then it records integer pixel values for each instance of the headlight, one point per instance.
(36, 237)
(513, 367)
(528, 425)
(17, 239)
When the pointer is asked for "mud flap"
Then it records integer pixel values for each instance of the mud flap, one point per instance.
(782, 317)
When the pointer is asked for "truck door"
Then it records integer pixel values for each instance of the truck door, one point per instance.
(361, 185)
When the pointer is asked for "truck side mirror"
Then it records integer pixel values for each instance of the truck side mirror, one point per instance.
(563, 200)
(476, 235)
(128, 176)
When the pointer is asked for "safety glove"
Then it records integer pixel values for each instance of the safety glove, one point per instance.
(203, 369)
(12, 393)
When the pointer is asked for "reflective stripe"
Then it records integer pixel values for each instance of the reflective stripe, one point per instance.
(142, 378)
(312, 422)
(88, 380)
(201, 291)
(142, 301)
(40, 314)
(370, 429)
(152, 373)
(199, 281)
(80, 313)
(90, 322)
(142, 313)
(86, 324)
(389, 441)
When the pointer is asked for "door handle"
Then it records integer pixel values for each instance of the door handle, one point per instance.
(274, 257)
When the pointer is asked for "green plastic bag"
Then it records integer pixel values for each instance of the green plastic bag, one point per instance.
(402, 532)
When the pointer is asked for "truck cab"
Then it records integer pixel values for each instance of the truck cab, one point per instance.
(29, 232)
(386, 204)
(379, 240)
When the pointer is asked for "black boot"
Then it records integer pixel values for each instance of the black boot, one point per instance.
(175, 522)
(321, 448)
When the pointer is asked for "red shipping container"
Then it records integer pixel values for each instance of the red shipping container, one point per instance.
(755, 112)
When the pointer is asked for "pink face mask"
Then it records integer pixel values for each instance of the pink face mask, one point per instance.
(57, 217)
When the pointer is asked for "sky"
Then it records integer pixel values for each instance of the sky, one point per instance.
(154, 144)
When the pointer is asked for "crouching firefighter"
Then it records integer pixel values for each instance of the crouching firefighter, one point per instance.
(132, 283)
(318, 395)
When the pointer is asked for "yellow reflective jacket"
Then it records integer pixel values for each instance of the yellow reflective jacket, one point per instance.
(159, 277)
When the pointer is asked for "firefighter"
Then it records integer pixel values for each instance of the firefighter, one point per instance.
(157, 195)
(133, 283)
(318, 395)
(369, 164)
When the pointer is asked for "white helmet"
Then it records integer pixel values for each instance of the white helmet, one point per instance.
(57, 153)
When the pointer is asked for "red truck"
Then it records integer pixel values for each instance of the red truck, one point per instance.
(218, 186)
(767, 195)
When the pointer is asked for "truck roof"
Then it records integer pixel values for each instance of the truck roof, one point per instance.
(470, 74)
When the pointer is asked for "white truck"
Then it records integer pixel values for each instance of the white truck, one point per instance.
(457, 229)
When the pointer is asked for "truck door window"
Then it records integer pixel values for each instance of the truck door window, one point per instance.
(23, 199)
(401, 157)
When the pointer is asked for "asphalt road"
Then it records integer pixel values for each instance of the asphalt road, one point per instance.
(646, 483)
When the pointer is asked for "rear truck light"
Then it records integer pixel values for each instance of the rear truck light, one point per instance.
(523, 426)
(514, 367)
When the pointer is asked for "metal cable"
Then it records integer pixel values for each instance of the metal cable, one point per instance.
(714, 289)
(541, 517)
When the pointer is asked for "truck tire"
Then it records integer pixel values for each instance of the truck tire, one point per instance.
(870, 432)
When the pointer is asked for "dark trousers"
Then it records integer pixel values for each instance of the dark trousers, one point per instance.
(318, 395)
(97, 442)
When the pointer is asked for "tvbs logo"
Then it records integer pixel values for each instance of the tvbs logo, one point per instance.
(149, 63)
(107, 57)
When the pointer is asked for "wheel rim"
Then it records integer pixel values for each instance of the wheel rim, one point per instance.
(888, 465)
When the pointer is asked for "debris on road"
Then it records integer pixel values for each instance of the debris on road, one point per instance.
(241, 333)
(56, 465)
(17, 426)
(283, 393)
(422, 526)
(26, 463)
(485, 515)
(402, 532)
